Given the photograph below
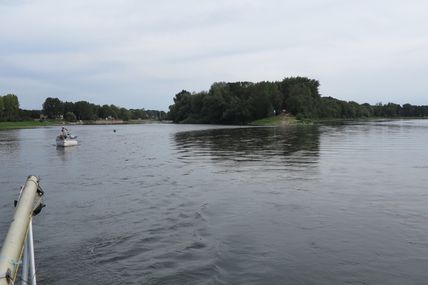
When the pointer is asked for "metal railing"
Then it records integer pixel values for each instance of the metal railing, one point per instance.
(19, 239)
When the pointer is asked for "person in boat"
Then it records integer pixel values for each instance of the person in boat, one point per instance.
(64, 133)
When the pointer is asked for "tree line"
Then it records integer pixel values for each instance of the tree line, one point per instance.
(83, 110)
(54, 108)
(243, 102)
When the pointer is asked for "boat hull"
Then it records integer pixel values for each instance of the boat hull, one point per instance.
(65, 142)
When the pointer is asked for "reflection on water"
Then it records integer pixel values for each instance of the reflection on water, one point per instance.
(251, 155)
(250, 144)
(9, 142)
(65, 153)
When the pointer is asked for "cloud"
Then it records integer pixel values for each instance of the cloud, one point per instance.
(138, 54)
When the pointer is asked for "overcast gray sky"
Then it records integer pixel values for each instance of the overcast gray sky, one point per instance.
(139, 54)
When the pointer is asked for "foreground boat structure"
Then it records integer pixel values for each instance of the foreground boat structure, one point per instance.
(19, 239)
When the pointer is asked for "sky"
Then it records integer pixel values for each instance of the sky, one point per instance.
(139, 54)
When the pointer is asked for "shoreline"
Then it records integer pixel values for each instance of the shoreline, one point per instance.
(36, 124)
(26, 125)
(277, 121)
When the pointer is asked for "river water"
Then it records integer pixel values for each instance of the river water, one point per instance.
(192, 204)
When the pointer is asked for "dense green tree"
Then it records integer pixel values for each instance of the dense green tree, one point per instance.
(124, 114)
(68, 107)
(70, 117)
(10, 107)
(27, 115)
(138, 114)
(155, 114)
(236, 112)
(260, 103)
(392, 110)
(301, 101)
(197, 103)
(408, 110)
(115, 111)
(106, 111)
(1, 108)
(330, 108)
(213, 107)
(182, 106)
(378, 110)
(367, 110)
(84, 110)
(53, 108)
(289, 85)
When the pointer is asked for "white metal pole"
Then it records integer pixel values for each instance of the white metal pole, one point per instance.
(31, 254)
(14, 242)
(25, 265)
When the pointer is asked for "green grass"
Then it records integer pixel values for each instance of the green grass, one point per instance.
(280, 120)
(283, 120)
(25, 125)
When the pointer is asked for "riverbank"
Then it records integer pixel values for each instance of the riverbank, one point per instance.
(121, 122)
(280, 120)
(285, 120)
(37, 124)
(26, 124)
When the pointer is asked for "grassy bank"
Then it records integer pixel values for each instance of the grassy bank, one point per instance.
(281, 120)
(284, 120)
(26, 125)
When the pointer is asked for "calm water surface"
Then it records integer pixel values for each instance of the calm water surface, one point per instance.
(175, 204)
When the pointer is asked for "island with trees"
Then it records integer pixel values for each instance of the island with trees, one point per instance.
(244, 102)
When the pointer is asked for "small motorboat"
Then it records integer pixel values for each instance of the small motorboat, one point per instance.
(65, 141)
(65, 138)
